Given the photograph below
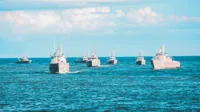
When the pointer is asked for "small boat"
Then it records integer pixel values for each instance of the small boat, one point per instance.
(93, 60)
(140, 60)
(112, 60)
(23, 59)
(58, 64)
(84, 59)
(162, 61)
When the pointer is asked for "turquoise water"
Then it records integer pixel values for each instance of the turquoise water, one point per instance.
(124, 87)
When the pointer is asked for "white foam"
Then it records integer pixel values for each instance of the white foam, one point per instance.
(75, 72)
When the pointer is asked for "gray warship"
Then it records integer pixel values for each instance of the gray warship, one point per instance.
(23, 59)
(84, 59)
(162, 61)
(140, 60)
(58, 64)
(93, 60)
(112, 60)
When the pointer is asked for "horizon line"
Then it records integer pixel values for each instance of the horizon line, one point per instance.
(107, 56)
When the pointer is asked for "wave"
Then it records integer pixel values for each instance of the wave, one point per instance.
(74, 72)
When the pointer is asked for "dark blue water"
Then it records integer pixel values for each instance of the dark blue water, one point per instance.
(124, 87)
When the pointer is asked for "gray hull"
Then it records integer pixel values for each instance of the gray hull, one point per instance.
(81, 61)
(138, 62)
(89, 63)
(24, 62)
(59, 68)
(93, 63)
(112, 62)
(165, 65)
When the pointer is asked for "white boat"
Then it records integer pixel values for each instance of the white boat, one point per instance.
(140, 60)
(84, 59)
(93, 60)
(58, 64)
(112, 60)
(162, 61)
(23, 59)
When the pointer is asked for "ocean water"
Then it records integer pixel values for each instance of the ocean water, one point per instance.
(124, 87)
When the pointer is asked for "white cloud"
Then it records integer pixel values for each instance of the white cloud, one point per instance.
(85, 0)
(120, 13)
(60, 21)
(173, 17)
(82, 19)
(144, 16)
(41, 19)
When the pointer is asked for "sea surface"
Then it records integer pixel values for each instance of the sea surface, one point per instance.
(124, 87)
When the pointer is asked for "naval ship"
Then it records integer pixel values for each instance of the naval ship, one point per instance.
(162, 61)
(140, 60)
(93, 60)
(23, 59)
(58, 64)
(84, 59)
(112, 60)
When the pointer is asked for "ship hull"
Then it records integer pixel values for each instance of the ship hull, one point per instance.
(158, 65)
(24, 62)
(81, 61)
(93, 63)
(140, 62)
(112, 62)
(59, 68)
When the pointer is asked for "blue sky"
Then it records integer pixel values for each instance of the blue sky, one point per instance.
(32, 27)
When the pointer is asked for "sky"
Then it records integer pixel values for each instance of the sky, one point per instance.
(126, 27)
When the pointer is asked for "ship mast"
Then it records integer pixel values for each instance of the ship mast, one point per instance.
(93, 54)
(162, 49)
(112, 54)
(140, 54)
(60, 50)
